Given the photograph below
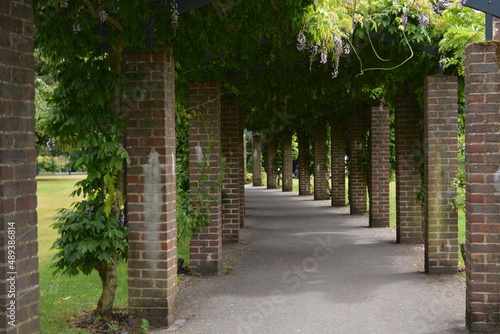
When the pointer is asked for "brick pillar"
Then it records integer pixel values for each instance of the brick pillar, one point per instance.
(287, 168)
(19, 307)
(409, 214)
(232, 150)
(357, 176)
(271, 161)
(257, 160)
(338, 162)
(243, 169)
(320, 163)
(380, 156)
(440, 143)
(204, 168)
(483, 186)
(151, 190)
(304, 161)
(496, 28)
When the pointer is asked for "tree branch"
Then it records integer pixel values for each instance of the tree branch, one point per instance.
(276, 8)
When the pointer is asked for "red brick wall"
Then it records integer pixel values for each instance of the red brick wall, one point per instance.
(380, 167)
(287, 168)
(19, 291)
(304, 161)
(271, 160)
(338, 162)
(232, 151)
(151, 190)
(409, 212)
(357, 177)
(483, 186)
(440, 143)
(205, 148)
(257, 160)
(320, 163)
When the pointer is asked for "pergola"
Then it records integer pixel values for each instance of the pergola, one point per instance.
(216, 130)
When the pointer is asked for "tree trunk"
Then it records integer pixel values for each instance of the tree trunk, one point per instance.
(108, 273)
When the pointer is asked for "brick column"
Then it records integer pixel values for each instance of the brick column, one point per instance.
(409, 214)
(304, 161)
(338, 162)
(440, 143)
(232, 150)
(320, 163)
(380, 156)
(151, 190)
(496, 28)
(287, 168)
(483, 186)
(271, 161)
(243, 163)
(357, 176)
(245, 153)
(19, 292)
(204, 168)
(257, 160)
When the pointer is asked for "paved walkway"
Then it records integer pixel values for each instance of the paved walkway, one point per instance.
(304, 267)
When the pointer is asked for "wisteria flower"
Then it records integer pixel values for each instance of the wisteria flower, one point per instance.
(122, 219)
(103, 16)
(324, 56)
(175, 15)
(338, 45)
(424, 20)
(347, 48)
(301, 41)
(314, 50)
(404, 19)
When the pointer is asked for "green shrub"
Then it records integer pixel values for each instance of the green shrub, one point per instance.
(47, 164)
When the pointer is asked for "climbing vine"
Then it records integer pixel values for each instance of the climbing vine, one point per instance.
(82, 43)
(194, 200)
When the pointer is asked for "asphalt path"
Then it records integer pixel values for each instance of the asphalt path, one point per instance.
(305, 267)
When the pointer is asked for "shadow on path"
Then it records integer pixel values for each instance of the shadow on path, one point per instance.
(305, 267)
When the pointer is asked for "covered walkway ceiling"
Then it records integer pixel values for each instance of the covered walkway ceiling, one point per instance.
(305, 60)
(296, 78)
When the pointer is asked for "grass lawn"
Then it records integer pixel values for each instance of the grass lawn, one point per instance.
(63, 297)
